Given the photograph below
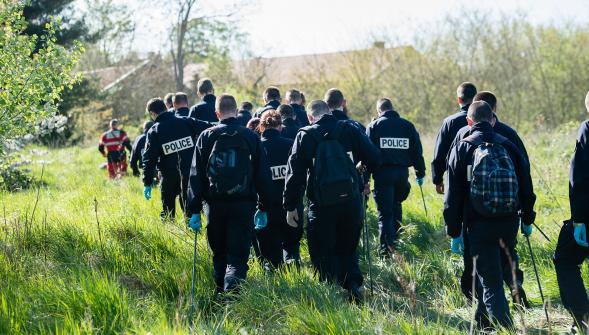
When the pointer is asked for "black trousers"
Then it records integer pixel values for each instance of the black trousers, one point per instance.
(466, 278)
(391, 188)
(279, 242)
(229, 232)
(172, 186)
(568, 258)
(484, 236)
(333, 234)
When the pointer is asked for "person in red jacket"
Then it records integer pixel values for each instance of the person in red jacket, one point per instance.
(112, 145)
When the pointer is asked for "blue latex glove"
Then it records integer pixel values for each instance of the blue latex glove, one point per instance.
(147, 192)
(527, 230)
(419, 180)
(194, 223)
(457, 245)
(580, 234)
(260, 220)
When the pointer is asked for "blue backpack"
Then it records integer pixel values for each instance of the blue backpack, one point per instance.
(493, 181)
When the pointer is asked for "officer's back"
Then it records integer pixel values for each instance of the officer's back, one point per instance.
(170, 144)
(205, 110)
(398, 141)
(352, 140)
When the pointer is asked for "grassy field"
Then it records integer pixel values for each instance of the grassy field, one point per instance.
(66, 270)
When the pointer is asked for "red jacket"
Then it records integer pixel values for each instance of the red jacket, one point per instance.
(114, 140)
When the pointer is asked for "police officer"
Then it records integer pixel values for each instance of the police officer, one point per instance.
(572, 248)
(295, 99)
(245, 113)
(169, 100)
(230, 207)
(205, 110)
(169, 146)
(333, 231)
(338, 107)
(271, 101)
(290, 127)
(400, 148)
(485, 232)
(139, 148)
(450, 127)
(278, 242)
(466, 278)
(180, 102)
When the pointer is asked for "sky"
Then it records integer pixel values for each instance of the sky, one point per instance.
(294, 27)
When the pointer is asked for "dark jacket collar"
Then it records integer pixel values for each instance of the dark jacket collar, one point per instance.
(270, 133)
(244, 112)
(274, 104)
(164, 116)
(340, 115)
(391, 114)
(483, 127)
(326, 118)
(464, 108)
(232, 121)
(209, 98)
(296, 106)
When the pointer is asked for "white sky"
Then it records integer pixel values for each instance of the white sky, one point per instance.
(292, 27)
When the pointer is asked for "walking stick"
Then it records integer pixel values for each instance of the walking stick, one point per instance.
(191, 313)
(538, 280)
(423, 199)
(541, 232)
(367, 244)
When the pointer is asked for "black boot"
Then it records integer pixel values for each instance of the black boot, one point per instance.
(523, 299)
(354, 294)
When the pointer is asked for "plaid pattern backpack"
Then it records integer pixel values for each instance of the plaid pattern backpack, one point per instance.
(493, 181)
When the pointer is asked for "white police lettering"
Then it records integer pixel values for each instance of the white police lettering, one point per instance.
(351, 154)
(278, 172)
(394, 143)
(178, 145)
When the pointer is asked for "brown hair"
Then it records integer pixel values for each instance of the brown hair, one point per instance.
(286, 112)
(334, 98)
(272, 93)
(226, 104)
(487, 97)
(205, 86)
(253, 124)
(270, 120)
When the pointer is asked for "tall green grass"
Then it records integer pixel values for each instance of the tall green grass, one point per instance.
(59, 275)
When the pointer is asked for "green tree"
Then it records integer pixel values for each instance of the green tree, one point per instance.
(31, 78)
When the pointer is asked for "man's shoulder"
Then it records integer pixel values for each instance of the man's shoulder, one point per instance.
(450, 119)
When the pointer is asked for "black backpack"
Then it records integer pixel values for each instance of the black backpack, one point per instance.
(229, 168)
(335, 175)
(493, 186)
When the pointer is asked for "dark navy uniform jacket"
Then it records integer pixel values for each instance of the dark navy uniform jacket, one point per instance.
(398, 141)
(300, 162)
(277, 149)
(290, 128)
(501, 129)
(450, 127)
(205, 110)
(170, 144)
(182, 112)
(456, 205)
(198, 183)
(579, 177)
(270, 105)
(300, 115)
(138, 148)
(243, 117)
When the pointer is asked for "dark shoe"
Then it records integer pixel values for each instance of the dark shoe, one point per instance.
(522, 297)
(355, 295)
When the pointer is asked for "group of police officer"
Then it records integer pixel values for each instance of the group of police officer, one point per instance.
(251, 184)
